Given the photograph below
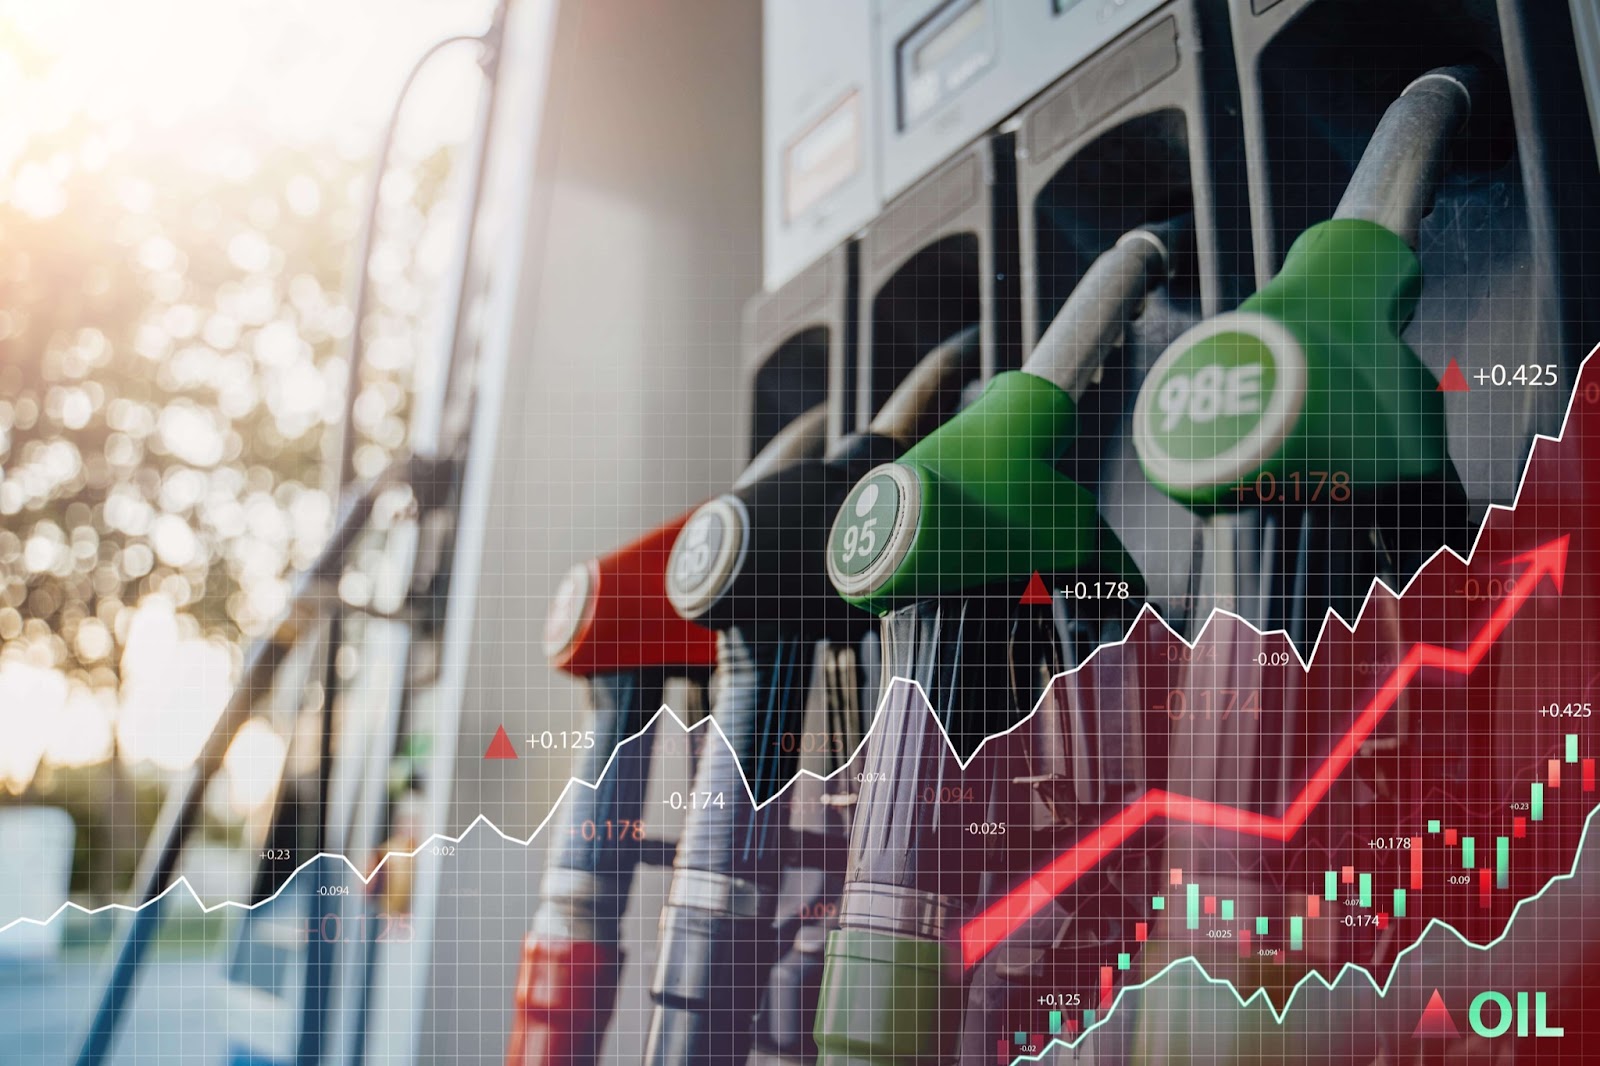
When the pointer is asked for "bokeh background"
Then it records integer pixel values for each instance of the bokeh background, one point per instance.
(181, 187)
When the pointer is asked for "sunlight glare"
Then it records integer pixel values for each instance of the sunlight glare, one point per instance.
(252, 765)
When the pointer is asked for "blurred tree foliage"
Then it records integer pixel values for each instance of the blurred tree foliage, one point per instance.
(173, 337)
(171, 354)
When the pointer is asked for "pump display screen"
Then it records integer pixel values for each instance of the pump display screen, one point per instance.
(822, 158)
(941, 55)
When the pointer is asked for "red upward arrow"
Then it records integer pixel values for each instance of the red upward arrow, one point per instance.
(1453, 380)
(1006, 915)
(500, 747)
(1435, 1020)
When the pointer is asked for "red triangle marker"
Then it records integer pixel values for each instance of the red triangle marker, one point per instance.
(500, 747)
(1453, 380)
(1435, 1020)
(1035, 593)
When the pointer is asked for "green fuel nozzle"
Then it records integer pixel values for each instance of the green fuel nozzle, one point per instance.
(979, 500)
(1309, 378)
(762, 544)
(749, 564)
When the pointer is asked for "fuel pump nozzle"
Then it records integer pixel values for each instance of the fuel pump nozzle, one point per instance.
(979, 500)
(1309, 381)
(1312, 438)
(750, 565)
(753, 550)
(610, 627)
(940, 543)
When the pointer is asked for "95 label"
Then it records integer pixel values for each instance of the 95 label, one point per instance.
(863, 525)
(874, 530)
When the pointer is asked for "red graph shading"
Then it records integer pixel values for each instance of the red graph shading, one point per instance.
(980, 935)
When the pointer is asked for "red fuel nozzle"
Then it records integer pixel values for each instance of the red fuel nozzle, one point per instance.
(612, 613)
(611, 616)
(565, 992)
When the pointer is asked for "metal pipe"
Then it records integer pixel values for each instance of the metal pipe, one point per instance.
(804, 436)
(340, 460)
(180, 813)
(894, 957)
(588, 876)
(1395, 181)
(571, 956)
(913, 409)
(443, 427)
(453, 384)
(717, 942)
(1091, 323)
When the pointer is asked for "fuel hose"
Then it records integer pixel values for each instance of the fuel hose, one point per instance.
(611, 628)
(1313, 440)
(750, 564)
(968, 518)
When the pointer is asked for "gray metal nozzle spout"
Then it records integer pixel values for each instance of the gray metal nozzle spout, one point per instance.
(907, 413)
(1089, 324)
(1395, 182)
(803, 438)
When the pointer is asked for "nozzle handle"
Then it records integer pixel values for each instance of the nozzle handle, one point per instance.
(611, 614)
(803, 438)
